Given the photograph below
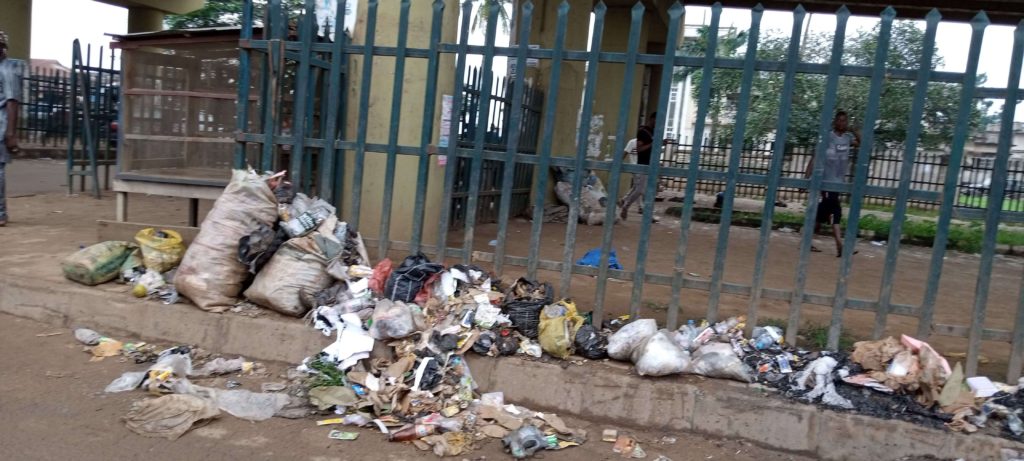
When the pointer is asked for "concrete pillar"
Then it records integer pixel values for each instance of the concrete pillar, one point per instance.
(16, 21)
(142, 19)
(410, 131)
(570, 85)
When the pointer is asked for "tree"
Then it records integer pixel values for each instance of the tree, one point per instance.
(225, 13)
(906, 46)
(483, 12)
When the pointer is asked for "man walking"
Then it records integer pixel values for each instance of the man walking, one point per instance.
(10, 92)
(841, 141)
(644, 141)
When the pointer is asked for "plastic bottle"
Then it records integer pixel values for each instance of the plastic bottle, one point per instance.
(414, 432)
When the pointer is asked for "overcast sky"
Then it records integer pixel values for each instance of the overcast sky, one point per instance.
(56, 23)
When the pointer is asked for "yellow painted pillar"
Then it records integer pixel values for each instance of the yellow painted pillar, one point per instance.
(410, 132)
(16, 21)
(142, 19)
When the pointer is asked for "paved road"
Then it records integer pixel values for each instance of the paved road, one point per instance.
(53, 408)
(30, 177)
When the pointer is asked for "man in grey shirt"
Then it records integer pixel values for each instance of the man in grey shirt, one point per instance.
(841, 142)
(10, 93)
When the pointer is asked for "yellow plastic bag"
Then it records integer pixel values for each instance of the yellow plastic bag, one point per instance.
(160, 253)
(558, 325)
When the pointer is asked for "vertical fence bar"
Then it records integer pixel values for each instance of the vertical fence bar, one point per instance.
(330, 152)
(735, 157)
(244, 74)
(582, 134)
(299, 115)
(625, 102)
(693, 167)
(831, 86)
(547, 138)
(775, 171)
(452, 159)
(395, 125)
(861, 176)
(997, 193)
(675, 13)
(271, 85)
(339, 160)
(426, 134)
(956, 155)
(76, 58)
(899, 214)
(365, 85)
(480, 118)
(514, 122)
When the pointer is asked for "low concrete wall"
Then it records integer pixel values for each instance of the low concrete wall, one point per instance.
(599, 391)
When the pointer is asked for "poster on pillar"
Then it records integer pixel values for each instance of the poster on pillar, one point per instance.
(327, 13)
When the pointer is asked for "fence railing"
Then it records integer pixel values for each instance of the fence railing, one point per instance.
(47, 105)
(433, 49)
(886, 164)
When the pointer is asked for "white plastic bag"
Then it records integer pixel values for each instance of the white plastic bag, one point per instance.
(126, 382)
(395, 320)
(718, 360)
(622, 343)
(660, 356)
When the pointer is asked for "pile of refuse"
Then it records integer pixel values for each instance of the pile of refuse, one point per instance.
(402, 331)
(593, 197)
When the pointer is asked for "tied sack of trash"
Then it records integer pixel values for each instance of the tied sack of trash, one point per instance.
(591, 343)
(718, 360)
(659, 355)
(297, 270)
(406, 280)
(622, 343)
(523, 303)
(96, 264)
(162, 249)
(558, 325)
(169, 416)
(210, 274)
(396, 320)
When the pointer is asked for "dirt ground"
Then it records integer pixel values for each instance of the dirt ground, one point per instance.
(48, 224)
(54, 408)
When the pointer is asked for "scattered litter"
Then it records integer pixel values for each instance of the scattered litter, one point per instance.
(169, 416)
(339, 435)
(87, 336)
(609, 435)
(982, 386)
(820, 372)
(46, 335)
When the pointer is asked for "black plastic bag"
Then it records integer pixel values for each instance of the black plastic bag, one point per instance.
(523, 304)
(255, 249)
(507, 345)
(591, 343)
(485, 342)
(406, 281)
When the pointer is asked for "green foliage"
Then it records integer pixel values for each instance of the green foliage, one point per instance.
(225, 13)
(906, 46)
(483, 12)
(328, 374)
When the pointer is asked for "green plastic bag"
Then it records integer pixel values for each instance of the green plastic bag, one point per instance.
(99, 263)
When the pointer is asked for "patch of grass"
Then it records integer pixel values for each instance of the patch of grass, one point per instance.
(982, 202)
(817, 336)
(910, 210)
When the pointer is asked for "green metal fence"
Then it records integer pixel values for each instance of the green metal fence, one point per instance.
(332, 148)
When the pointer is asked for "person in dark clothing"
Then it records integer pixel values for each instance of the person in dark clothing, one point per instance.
(841, 142)
(644, 142)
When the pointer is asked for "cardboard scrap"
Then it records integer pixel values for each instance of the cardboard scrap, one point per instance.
(873, 355)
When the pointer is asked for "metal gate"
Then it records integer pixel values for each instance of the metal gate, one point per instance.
(335, 151)
(498, 123)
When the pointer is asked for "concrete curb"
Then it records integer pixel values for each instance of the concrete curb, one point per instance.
(599, 391)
